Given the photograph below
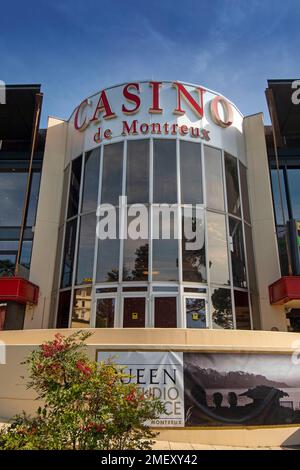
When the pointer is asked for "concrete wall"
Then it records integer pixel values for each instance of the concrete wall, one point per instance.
(263, 224)
(47, 222)
(14, 397)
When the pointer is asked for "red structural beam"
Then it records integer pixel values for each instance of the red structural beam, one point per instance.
(284, 290)
(17, 289)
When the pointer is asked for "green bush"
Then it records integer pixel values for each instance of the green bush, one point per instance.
(87, 405)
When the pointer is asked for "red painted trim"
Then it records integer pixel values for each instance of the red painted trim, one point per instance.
(17, 289)
(284, 290)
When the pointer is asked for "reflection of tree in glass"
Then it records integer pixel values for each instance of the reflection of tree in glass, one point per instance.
(194, 262)
(113, 275)
(140, 271)
(222, 314)
(105, 313)
(7, 268)
(196, 306)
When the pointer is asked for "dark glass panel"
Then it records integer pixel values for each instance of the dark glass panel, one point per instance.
(134, 312)
(86, 249)
(63, 309)
(221, 308)
(82, 302)
(105, 313)
(190, 173)
(237, 253)
(33, 199)
(164, 172)
(137, 174)
(193, 260)
(232, 185)
(242, 310)
(112, 173)
(7, 264)
(165, 260)
(26, 254)
(275, 177)
(69, 250)
(91, 180)
(135, 258)
(165, 312)
(195, 312)
(12, 194)
(64, 195)
(250, 258)
(294, 190)
(245, 194)
(282, 249)
(108, 261)
(214, 178)
(217, 248)
(74, 187)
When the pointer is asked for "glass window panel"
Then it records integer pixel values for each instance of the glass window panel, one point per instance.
(137, 173)
(81, 313)
(165, 312)
(232, 185)
(12, 194)
(217, 249)
(135, 258)
(86, 249)
(134, 312)
(294, 190)
(105, 313)
(64, 195)
(58, 259)
(165, 260)
(195, 312)
(63, 311)
(276, 197)
(242, 310)
(190, 173)
(108, 257)
(69, 250)
(193, 260)
(33, 199)
(245, 194)
(112, 173)
(250, 258)
(214, 178)
(74, 187)
(221, 308)
(26, 254)
(282, 249)
(7, 264)
(164, 172)
(91, 180)
(237, 253)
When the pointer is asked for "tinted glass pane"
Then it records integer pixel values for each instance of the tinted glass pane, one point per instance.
(276, 196)
(105, 313)
(7, 264)
(63, 311)
(193, 249)
(165, 312)
(64, 195)
(69, 249)
(74, 187)
(164, 172)
(108, 255)
(137, 175)
(221, 308)
(82, 302)
(294, 188)
(237, 253)
(12, 194)
(112, 173)
(135, 264)
(250, 258)
(58, 259)
(214, 178)
(134, 312)
(190, 173)
(33, 199)
(245, 195)
(91, 180)
(26, 254)
(232, 185)
(195, 313)
(282, 249)
(86, 249)
(242, 310)
(217, 248)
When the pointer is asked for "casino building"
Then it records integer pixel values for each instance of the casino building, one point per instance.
(152, 145)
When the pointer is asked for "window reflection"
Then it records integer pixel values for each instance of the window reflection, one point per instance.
(74, 187)
(232, 185)
(63, 309)
(276, 197)
(190, 173)
(91, 180)
(250, 258)
(69, 249)
(193, 261)
(137, 172)
(108, 257)
(81, 314)
(195, 312)
(164, 172)
(237, 253)
(112, 173)
(217, 248)
(105, 313)
(33, 199)
(245, 195)
(135, 263)
(86, 249)
(214, 178)
(221, 308)
(242, 310)
(293, 175)
(12, 194)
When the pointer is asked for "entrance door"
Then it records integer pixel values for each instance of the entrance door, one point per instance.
(105, 312)
(195, 312)
(134, 312)
(165, 312)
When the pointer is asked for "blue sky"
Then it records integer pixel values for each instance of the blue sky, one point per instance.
(74, 48)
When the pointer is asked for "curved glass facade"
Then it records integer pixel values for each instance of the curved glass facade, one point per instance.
(156, 280)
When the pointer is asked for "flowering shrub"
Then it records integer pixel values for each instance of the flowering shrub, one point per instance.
(87, 405)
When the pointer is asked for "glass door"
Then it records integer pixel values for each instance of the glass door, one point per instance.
(134, 312)
(165, 311)
(195, 311)
(105, 312)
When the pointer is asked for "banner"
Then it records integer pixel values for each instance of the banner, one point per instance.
(201, 389)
